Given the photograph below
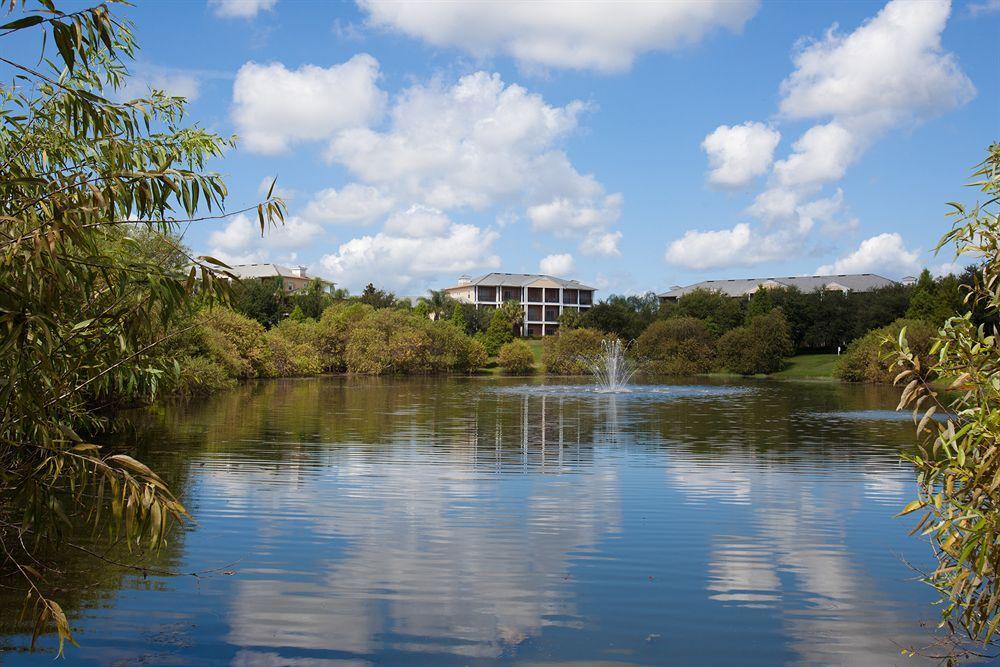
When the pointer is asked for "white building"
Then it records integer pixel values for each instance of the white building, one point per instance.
(291, 279)
(542, 298)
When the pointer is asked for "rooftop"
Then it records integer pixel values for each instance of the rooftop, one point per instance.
(519, 280)
(853, 282)
(269, 270)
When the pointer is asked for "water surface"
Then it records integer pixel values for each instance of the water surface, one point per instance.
(421, 521)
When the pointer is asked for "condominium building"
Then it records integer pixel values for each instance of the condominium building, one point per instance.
(542, 298)
(291, 279)
(745, 287)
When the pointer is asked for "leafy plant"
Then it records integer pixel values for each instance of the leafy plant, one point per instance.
(516, 358)
(94, 281)
(958, 462)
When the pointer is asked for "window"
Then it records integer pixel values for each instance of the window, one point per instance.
(551, 329)
(551, 295)
(486, 294)
(535, 294)
(551, 313)
(510, 294)
(535, 313)
(586, 297)
(533, 329)
(571, 296)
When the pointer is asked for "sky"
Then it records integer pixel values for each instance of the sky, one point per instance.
(631, 146)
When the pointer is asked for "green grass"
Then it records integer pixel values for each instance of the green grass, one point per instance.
(808, 366)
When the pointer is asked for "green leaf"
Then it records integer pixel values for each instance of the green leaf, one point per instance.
(25, 22)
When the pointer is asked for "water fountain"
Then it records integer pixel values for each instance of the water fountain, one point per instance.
(611, 368)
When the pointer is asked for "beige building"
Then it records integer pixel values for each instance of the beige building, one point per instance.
(292, 279)
(745, 287)
(542, 298)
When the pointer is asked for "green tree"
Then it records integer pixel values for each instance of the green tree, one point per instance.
(567, 352)
(759, 346)
(377, 298)
(262, 300)
(501, 329)
(720, 312)
(458, 318)
(957, 463)
(86, 183)
(516, 358)
(677, 346)
(624, 316)
(438, 303)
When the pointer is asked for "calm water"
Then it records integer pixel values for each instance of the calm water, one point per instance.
(354, 521)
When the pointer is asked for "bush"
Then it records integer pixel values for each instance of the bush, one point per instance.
(561, 354)
(333, 331)
(290, 355)
(677, 346)
(516, 358)
(866, 358)
(235, 342)
(201, 375)
(759, 346)
(452, 350)
(501, 329)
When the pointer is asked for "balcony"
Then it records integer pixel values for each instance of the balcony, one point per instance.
(486, 294)
(586, 298)
(571, 297)
(535, 295)
(551, 295)
(551, 313)
(534, 313)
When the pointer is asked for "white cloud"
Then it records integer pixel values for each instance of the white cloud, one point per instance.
(739, 153)
(565, 217)
(821, 155)
(418, 221)
(556, 265)
(892, 68)
(476, 143)
(243, 9)
(402, 262)
(889, 71)
(274, 107)
(601, 243)
(601, 35)
(885, 253)
(242, 237)
(984, 7)
(145, 78)
(353, 203)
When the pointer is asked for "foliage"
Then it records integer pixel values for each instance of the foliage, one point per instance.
(935, 300)
(719, 312)
(438, 304)
(458, 318)
(677, 346)
(334, 330)
(92, 194)
(290, 357)
(865, 359)
(516, 358)
(501, 329)
(261, 300)
(623, 316)
(759, 346)
(958, 463)
(201, 375)
(565, 353)
(376, 298)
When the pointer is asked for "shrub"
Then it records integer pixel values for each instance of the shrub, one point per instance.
(333, 331)
(452, 350)
(516, 358)
(388, 341)
(759, 346)
(677, 346)
(866, 358)
(291, 356)
(235, 342)
(561, 354)
(201, 375)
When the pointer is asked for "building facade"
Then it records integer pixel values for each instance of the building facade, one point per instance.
(745, 287)
(292, 279)
(542, 298)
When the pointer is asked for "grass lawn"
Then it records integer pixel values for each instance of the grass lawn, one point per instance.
(809, 366)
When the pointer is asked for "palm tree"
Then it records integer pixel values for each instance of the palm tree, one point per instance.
(438, 303)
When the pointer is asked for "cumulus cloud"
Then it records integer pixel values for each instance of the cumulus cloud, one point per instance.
(402, 262)
(274, 107)
(885, 253)
(556, 265)
(601, 243)
(888, 72)
(243, 9)
(599, 35)
(480, 143)
(240, 240)
(352, 204)
(418, 221)
(739, 153)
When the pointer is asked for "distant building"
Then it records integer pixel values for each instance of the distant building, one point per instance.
(292, 279)
(542, 298)
(745, 287)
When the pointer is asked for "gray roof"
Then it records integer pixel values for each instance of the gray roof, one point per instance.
(520, 280)
(269, 270)
(856, 282)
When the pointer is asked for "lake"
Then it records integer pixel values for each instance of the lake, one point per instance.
(463, 521)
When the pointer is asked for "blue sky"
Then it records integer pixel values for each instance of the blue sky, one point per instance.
(634, 147)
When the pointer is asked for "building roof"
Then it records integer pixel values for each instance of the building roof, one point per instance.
(270, 270)
(857, 282)
(519, 280)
